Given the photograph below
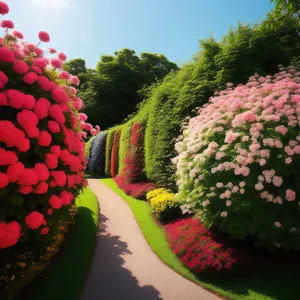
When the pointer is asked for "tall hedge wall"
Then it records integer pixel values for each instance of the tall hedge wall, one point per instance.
(124, 143)
(109, 145)
(114, 164)
(96, 163)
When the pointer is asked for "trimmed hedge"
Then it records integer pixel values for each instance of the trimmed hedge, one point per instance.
(114, 154)
(108, 148)
(133, 170)
(88, 147)
(96, 163)
(132, 177)
(124, 143)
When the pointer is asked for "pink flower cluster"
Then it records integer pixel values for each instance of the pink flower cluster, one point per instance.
(250, 135)
(42, 147)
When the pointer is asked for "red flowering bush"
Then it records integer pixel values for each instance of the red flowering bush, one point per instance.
(197, 248)
(133, 170)
(42, 159)
(132, 178)
(114, 155)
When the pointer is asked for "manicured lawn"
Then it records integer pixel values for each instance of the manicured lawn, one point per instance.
(274, 281)
(66, 277)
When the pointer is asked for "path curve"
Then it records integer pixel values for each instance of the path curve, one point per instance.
(124, 266)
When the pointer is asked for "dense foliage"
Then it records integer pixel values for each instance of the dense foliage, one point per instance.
(124, 143)
(239, 158)
(96, 160)
(88, 146)
(132, 177)
(114, 167)
(240, 54)
(108, 150)
(112, 91)
(197, 248)
(291, 7)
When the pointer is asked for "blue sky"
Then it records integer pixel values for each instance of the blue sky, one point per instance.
(89, 28)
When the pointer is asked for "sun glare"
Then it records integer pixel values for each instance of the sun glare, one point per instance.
(56, 4)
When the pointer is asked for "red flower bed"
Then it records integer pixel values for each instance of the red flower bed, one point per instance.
(114, 155)
(197, 248)
(136, 190)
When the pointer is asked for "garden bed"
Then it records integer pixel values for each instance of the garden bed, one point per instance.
(66, 277)
(266, 276)
(61, 270)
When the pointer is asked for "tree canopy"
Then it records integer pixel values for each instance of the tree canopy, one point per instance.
(112, 91)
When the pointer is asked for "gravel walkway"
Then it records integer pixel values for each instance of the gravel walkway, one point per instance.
(124, 266)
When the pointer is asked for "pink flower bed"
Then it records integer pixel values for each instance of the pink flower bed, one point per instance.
(238, 160)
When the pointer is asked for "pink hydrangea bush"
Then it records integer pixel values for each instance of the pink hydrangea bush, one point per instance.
(239, 158)
(42, 159)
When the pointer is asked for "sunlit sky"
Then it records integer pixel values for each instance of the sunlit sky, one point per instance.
(89, 28)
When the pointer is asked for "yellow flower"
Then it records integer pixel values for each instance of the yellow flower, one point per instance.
(155, 193)
(8, 266)
(162, 202)
(13, 277)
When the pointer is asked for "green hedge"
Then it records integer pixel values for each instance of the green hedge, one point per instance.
(124, 143)
(88, 146)
(238, 56)
(109, 144)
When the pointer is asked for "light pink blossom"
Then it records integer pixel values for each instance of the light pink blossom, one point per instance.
(277, 224)
(290, 195)
(224, 214)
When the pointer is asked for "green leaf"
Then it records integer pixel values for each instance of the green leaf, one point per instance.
(16, 200)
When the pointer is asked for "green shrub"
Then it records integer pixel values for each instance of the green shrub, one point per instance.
(108, 149)
(124, 143)
(87, 147)
(96, 163)
(114, 167)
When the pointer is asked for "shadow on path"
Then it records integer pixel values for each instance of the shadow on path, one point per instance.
(109, 279)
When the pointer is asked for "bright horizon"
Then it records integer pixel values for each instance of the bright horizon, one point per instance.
(88, 29)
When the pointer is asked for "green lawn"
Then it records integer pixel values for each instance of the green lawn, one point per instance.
(272, 282)
(66, 277)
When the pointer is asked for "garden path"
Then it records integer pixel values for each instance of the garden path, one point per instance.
(124, 266)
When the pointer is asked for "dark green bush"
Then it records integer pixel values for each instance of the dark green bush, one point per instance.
(96, 163)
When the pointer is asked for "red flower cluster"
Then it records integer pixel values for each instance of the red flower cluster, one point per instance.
(9, 233)
(114, 155)
(4, 9)
(34, 220)
(197, 247)
(42, 151)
